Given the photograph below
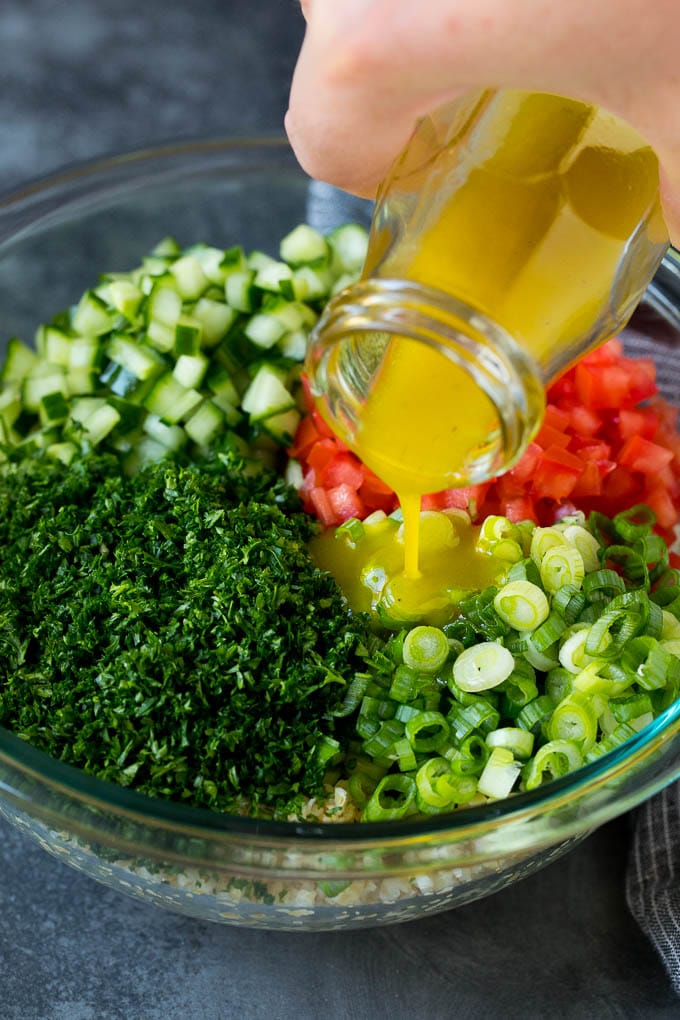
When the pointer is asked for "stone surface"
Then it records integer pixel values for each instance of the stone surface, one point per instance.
(77, 80)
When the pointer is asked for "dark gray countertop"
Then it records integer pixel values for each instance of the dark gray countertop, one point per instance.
(79, 79)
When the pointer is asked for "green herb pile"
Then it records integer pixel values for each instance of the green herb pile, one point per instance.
(168, 631)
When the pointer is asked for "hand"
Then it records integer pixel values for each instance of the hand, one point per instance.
(368, 69)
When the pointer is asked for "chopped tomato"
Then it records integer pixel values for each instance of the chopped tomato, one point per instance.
(607, 442)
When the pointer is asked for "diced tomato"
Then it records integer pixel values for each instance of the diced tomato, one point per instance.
(589, 482)
(343, 469)
(345, 502)
(323, 508)
(599, 448)
(659, 499)
(520, 508)
(527, 464)
(549, 436)
(584, 421)
(556, 474)
(638, 421)
(306, 435)
(638, 454)
(320, 456)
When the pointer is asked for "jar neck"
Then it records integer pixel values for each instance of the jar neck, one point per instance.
(350, 338)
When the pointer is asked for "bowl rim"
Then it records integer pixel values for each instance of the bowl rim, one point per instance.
(74, 782)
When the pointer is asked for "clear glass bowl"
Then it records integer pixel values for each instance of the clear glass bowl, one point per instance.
(55, 236)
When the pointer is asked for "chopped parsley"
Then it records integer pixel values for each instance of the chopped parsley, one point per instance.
(168, 631)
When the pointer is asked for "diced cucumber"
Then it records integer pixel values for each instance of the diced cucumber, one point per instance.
(240, 291)
(215, 317)
(170, 400)
(55, 345)
(349, 244)
(53, 408)
(293, 345)
(98, 424)
(264, 329)
(266, 395)
(167, 248)
(282, 427)
(269, 277)
(164, 304)
(259, 260)
(218, 379)
(189, 369)
(172, 437)
(312, 284)
(142, 362)
(64, 451)
(188, 335)
(10, 404)
(91, 316)
(125, 297)
(206, 423)
(84, 352)
(189, 275)
(81, 381)
(52, 379)
(304, 246)
(160, 336)
(19, 360)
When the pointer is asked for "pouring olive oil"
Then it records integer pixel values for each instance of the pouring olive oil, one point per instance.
(514, 233)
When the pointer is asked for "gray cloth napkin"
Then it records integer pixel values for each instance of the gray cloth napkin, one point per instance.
(653, 876)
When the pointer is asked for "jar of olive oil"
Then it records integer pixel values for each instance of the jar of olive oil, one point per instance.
(515, 232)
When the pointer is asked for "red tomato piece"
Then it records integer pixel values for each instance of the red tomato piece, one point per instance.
(345, 502)
(584, 421)
(306, 435)
(659, 499)
(638, 421)
(640, 454)
(320, 456)
(343, 469)
(323, 507)
(556, 474)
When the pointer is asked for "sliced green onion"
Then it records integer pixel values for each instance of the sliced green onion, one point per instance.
(425, 649)
(545, 659)
(353, 695)
(558, 683)
(569, 602)
(634, 523)
(547, 634)
(438, 788)
(624, 731)
(519, 741)
(384, 737)
(544, 539)
(552, 761)
(392, 798)
(525, 570)
(562, 564)
(404, 755)
(574, 719)
(427, 731)
(572, 653)
(499, 774)
(625, 709)
(624, 618)
(602, 584)
(472, 756)
(522, 605)
(536, 713)
(595, 678)
(483, 666)
(587, 545)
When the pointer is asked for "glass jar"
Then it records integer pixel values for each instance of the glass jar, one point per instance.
(515, 232)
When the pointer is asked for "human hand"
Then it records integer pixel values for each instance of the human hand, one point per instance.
(368, 69)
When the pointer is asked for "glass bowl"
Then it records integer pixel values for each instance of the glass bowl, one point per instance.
(55, 236)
